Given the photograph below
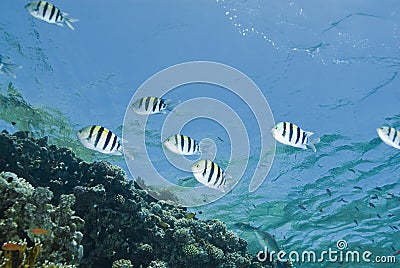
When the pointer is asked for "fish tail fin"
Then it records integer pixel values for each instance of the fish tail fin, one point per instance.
(207, 148)
(69, 21)
(129, 155)
(8, 69)
(171, 104)
(312, 143)
(229, 183)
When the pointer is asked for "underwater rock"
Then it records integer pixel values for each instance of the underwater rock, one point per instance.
(99, 218)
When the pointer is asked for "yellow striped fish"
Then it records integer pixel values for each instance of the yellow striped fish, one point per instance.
(100, 139)
(149, 105)
(47, 12)
(290, 134)
(210, 174)
(390, 136)
(182, 145)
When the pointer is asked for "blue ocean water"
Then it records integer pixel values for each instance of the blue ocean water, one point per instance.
(330, 67)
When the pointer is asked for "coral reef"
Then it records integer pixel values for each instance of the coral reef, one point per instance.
(25, 207)
(96, 206)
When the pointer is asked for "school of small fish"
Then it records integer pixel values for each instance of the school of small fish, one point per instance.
(206, 172)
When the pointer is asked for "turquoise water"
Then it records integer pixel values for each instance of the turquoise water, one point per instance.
(330, 67)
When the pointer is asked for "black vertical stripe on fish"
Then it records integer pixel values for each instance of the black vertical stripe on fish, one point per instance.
(194, 146)
(98, 136)
(218, 175)
(114, 142)
(108, 138)
(389, 129)
(155, 105)
(182, 142)
(176, 139)
(395, 135)
(46, 5)
(304, 137)
(284, 129)
(211, 173)
(141, 102)
(160, 104)
(38, 6)
(223, 178)
(119, 146)
(58, 15)
(290, 131)
(298, 135)
(205, 168)
(147, 103)
(189, 144)
(91, 132)
(53, 10)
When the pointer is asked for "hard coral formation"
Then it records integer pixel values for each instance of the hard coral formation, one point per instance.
(24, 207)
(121, 224)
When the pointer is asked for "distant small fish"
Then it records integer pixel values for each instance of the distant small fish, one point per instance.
(38, 231)
(7, 67)
(395, 227)
(10, 247)
(352, 170)
(379, 216)
(357, 187)
(374, 196)
(290, 134)
(302, 207)
(149, 105)
(390, 196)
(164, 224)
(391, 215)
(244, 226)
(321, 210)
(357, 209)
(390, 136)
(378, 188)
(356, 222)
(329, 192)
(49, 13)
(265, 239)
(211, 175)
(182, 145)
(13, 123)
(190, 215)
(100, 139)
(372, 204)
(342, 200)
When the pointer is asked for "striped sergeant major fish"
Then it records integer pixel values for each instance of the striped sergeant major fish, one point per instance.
(7, 67)
(100, 139)
(210, 174)
(149, 105)
(47, 12)
(290, 134)
(390, 136)
(182, 145)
